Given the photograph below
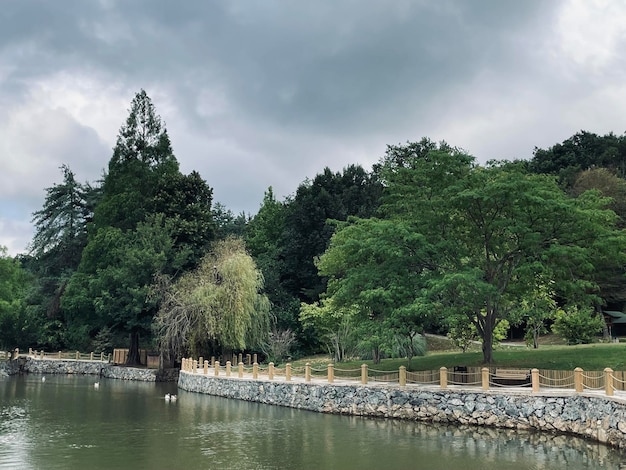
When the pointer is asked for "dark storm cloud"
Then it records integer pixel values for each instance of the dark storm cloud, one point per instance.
(261, 93)
(330, 67)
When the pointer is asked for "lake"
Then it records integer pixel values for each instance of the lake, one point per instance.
(67, 423)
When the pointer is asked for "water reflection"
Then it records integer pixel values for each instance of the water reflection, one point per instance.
(65, 423)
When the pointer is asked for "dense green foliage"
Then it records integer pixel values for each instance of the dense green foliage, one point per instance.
(15, 324)
(356, 263)
(150, 220)
(463, 240)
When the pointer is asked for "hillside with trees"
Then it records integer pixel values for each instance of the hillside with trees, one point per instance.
(354, 263)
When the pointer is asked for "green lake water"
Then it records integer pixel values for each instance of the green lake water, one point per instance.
(66, 423)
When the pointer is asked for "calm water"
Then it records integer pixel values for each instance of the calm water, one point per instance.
(65, 423)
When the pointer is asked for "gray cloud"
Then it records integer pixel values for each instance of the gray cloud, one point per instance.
(268, 93)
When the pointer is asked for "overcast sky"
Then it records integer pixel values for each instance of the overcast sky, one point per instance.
(266, 93)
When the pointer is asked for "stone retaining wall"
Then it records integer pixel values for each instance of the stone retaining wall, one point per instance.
(596, 418)
(69, 366)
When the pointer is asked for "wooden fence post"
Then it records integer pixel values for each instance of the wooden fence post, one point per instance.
(254, 358)
(288, 372)
(195, 366)
(205, 367)
(364, 374)
(217, 368)
(402, 376)
(255, 371)
(227, 368)
(240, 371)
(77, 355)
(443, 377)
(270, 371)
(485, 378)
(608, 381)
(307, 372)
(535, 380)
(331, 373)
(578, 379)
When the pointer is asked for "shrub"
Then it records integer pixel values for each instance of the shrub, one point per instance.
(577, 325)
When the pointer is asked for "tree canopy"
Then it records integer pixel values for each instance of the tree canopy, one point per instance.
(217, 308)
(469, 240)
(151, 220)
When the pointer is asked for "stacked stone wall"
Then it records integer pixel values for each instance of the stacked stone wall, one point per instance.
(69, 366)
(602, 419)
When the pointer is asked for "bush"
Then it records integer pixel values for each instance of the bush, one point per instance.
(577, 325)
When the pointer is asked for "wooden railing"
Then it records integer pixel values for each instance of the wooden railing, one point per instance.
(74, 355)
(535, 380)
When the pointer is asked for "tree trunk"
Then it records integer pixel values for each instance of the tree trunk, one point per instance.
(376, 355)
(487, 344)
(133, 358)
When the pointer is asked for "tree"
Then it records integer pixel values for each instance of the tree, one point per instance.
(375, 268)
(306, 234)
(583, 151)
(60, 237)
(114, 288)
(334, 326)
(229, 224)
(218, 308)
(577, 325)
(479, 237)
(16, 328)
(505, 228)
(536, 309)
(151, 220)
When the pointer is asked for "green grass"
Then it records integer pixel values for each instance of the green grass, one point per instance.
(559, 357)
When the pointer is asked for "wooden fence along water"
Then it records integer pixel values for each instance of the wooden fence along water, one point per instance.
(607, 381)
(485, 378)
(74, 355)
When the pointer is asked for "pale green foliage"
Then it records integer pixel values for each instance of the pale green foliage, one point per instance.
(220, 303)
(333, 325)
(577, 325)
(536, 309)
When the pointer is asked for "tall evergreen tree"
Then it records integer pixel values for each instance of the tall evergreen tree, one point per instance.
(151, 220)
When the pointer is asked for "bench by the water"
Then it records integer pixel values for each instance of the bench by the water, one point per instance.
(511, 377)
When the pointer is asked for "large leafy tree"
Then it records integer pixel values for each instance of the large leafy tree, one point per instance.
(376, 269)
(481, 236)
(151, 220)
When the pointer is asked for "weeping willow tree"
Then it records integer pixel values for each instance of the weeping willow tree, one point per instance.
(218, 308)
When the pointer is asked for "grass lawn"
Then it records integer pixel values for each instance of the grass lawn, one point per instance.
(559, 357)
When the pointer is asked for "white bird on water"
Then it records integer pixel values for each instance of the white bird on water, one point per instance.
(43, 379)
(173, 397)
(96, 385)
(168, 397)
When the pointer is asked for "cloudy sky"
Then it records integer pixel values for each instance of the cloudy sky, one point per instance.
(267, 93)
